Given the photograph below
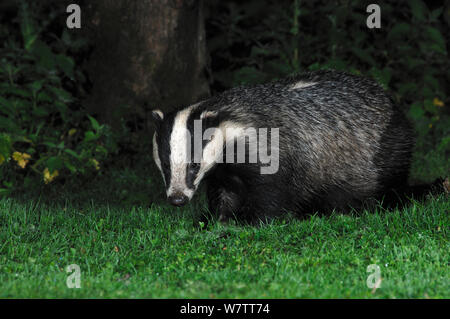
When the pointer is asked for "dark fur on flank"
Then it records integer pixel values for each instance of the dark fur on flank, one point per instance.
(342, 143)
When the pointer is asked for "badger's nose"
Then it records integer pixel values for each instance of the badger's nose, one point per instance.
(178, 199)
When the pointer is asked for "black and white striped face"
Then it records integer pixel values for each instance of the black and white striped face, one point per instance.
(183, 163)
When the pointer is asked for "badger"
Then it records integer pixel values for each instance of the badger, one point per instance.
(340, 142)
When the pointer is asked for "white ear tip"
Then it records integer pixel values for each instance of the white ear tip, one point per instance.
(208, 114)
(158, 114)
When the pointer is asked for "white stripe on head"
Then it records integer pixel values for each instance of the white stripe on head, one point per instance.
(156, 156)
(212, 153)
(180, 153)
(221, 137)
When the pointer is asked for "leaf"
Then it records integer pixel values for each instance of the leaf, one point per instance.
(69, 165)
(29, 33)
(94, 123)
(71, 152)
(5, 191)
(54, 163)
(407, 88)
(66, 64)
(6, 106)
(62, 108)
(248, 75)
(418, 9)
(259, 51)
(61, 94)
(17, 91)
(5, 145)
(50, 144)
(7, 125)
(336, 64)
(427, 92)
(430, 81)
(416, 111)
(44, 97)
(437, 39)
(398, 30)
(436, 13)
(101, 150)
(412, 63)
(37, 85)
(89, 136)
(44, 54)
(381, 76)
(430, 107)
(40, 112)
(444, 144)
(364, 56)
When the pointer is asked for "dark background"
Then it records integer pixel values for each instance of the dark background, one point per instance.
(76, 102)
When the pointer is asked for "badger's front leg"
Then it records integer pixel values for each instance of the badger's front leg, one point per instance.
(226, 195)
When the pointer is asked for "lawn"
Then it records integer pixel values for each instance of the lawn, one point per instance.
(129, 243)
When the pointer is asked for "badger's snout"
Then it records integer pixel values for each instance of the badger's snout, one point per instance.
(178, 199)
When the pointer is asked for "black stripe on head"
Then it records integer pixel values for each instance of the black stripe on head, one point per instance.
(211, 120)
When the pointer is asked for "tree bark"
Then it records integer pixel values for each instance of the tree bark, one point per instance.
(147, 54)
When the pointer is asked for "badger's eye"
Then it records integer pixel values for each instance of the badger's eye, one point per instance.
(194, 166)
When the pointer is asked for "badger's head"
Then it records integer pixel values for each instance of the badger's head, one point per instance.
(180, 151)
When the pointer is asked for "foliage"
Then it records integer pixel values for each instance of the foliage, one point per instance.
(43, 130)
(256, 41)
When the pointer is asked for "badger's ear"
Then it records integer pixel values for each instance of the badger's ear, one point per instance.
(210, 118)
(158, 116)
(209, 115)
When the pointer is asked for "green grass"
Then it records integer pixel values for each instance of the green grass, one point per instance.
(128, 244)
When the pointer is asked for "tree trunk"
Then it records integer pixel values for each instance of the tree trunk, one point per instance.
(147, 54)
